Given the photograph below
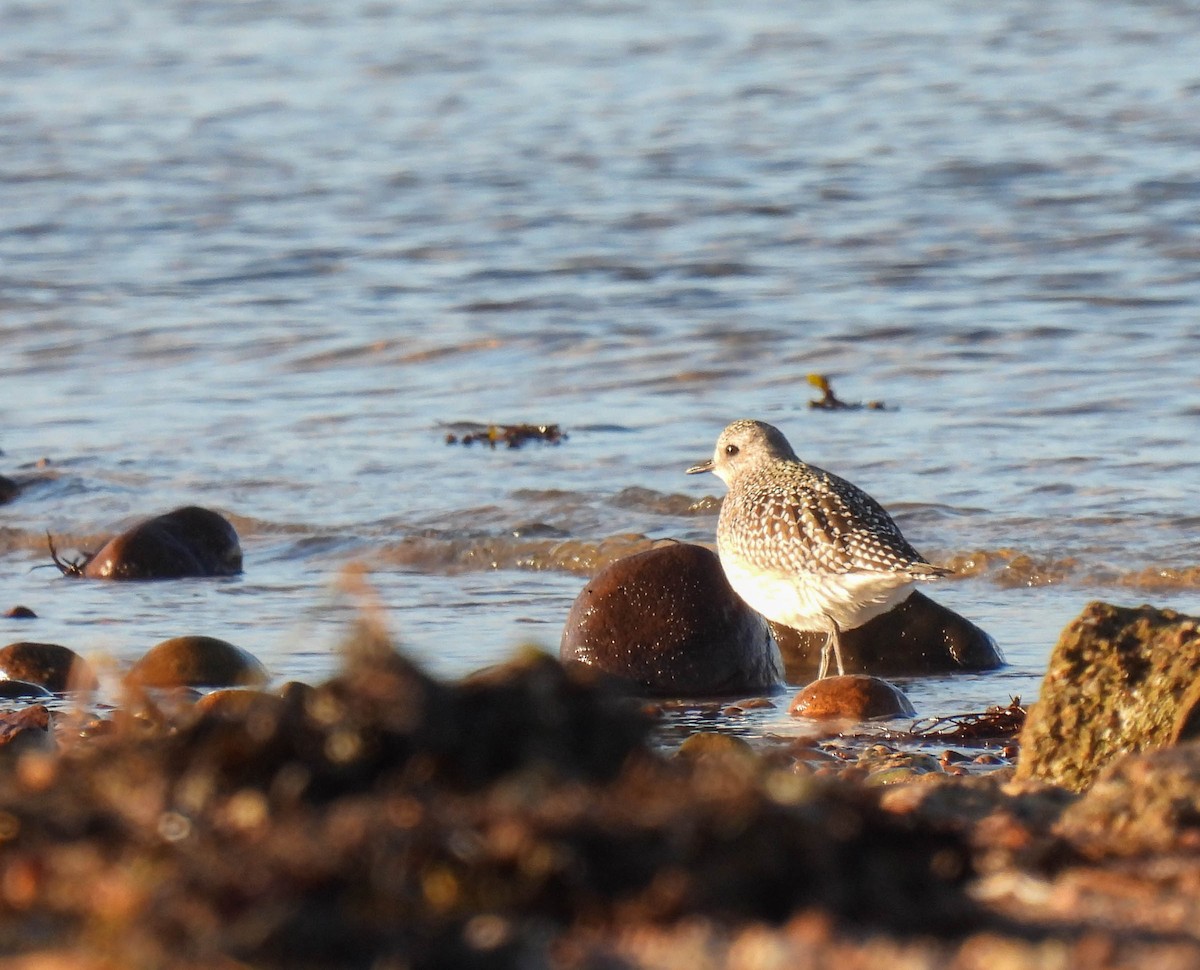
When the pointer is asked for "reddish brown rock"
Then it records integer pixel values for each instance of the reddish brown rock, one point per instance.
(26, 730)
(197, 662)
(667, 622)
(19, 613)
(854, 697)
(48, 665)
(189, 541)
(919, 636)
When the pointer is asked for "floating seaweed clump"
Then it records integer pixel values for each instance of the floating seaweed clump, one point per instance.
(829, 401)
(509, 435)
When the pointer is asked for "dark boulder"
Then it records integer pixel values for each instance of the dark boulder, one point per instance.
(919, 636)
(667, 622)
(189, 541)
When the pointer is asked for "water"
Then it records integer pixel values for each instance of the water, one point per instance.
(258, 256)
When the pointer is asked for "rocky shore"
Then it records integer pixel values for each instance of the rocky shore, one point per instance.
(528, 817)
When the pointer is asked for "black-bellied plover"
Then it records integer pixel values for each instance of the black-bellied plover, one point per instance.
(803, 547)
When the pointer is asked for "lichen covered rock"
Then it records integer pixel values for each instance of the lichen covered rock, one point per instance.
(1114, 684)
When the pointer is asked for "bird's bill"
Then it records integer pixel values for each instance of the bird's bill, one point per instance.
(704, 466)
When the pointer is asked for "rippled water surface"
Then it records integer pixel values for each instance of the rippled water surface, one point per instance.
(260, 256)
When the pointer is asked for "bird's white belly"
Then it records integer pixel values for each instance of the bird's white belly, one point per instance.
(804, 600)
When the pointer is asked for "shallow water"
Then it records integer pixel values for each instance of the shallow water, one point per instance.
(261, 256)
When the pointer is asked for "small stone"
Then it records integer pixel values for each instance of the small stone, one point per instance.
(853, 696)
(197, 661)
(20, 613)
(49, 665)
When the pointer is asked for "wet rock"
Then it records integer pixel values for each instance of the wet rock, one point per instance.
(9, 490)
(667, 622)
(21, 690)
(852, 696)
(919, 636)
(20, 613)
(1141, 803)
(196, 662)
(189, 541)
(1114, 684)
(48, 665)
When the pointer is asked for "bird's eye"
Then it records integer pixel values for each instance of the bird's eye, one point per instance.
(731, 450)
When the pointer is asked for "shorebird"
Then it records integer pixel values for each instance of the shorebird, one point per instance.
(802, 546)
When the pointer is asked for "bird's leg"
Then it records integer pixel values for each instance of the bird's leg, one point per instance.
(833, 646)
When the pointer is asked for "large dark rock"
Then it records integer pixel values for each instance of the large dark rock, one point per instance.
(919, 636)
(1116, 683)
(854, 697)
(667, 622)
(189, 541)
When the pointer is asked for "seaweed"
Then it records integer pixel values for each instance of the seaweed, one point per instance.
(68, 567)
(994, 723)
(829, 401)
(510, 435)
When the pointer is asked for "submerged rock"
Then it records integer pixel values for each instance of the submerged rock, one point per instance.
(1115, 684)
(49, 665)
(667, 622)
(197, 662)
(190, 541)
(853, 696)
(918, 636)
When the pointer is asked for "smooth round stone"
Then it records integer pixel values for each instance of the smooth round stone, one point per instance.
(19, 613)
(197, 662)
(49, 665)
(852, 696)
(667, 622)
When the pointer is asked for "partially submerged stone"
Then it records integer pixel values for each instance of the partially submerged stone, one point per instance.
(189, 541)
(195, 661)
(1115, 684)
(49, 665)
(667, 622)
(919, 636)
(853, 697)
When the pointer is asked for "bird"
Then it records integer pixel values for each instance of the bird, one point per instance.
(803, 547)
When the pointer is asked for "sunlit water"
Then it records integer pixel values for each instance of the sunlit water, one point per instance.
(258, 257)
